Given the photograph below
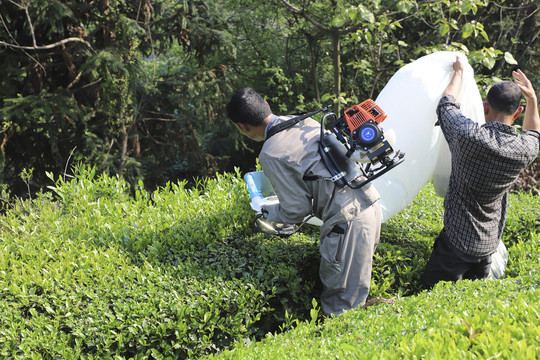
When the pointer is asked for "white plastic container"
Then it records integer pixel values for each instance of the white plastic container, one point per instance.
(262, 193)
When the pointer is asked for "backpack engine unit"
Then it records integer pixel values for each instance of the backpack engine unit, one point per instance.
(356, 138)
(355, 152)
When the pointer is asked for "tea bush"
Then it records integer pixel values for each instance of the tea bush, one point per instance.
(489, 319)
(96, 269)
(466, 320)
(405, 246)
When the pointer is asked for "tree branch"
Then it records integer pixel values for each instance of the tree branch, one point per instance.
(304, 15)
(12, 38)
(359, 25)
(31, 26)
(321, 26)
(32, 32)
(46, 47)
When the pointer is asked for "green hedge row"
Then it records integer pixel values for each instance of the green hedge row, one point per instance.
(488, 319)
(94, 269)
(467, 320)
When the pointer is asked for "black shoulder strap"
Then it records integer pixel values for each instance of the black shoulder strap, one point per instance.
(291, 122)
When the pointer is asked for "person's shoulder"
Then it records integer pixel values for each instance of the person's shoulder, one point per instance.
(532, 138)
(531, 132)
(269, 154)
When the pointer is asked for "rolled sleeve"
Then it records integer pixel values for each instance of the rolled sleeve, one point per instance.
(452, 121)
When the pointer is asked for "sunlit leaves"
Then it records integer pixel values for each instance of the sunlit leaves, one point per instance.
(467, 30)
(366, 14)
(474, 28)
(406, 6)
(178, 273)
(338, 21)
(509, 58)
(352, 15)
(486, 56)
(481, 319)
(444, 28)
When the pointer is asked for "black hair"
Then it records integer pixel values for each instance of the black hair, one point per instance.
(504, 97)
(248, 107)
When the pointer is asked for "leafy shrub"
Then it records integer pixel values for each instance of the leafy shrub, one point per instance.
(522, 234)
(405, 246)
(481, 319)
(92, 270)
(97, 269)
(127, 311)
(465, 320)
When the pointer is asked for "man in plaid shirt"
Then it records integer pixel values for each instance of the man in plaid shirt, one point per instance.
(486, 160)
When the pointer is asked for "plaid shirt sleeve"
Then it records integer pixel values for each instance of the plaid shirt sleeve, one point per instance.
(451, 119)
(533, 134)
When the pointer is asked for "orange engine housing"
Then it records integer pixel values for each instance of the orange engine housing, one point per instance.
(357, 115)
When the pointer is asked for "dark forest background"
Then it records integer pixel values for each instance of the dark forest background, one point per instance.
(138, 88)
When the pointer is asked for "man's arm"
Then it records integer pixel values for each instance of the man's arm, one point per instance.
(294, 201)
(455, 83)
(531, 121)
(448, 112)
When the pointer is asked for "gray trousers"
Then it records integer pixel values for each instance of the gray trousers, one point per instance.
(346, 260)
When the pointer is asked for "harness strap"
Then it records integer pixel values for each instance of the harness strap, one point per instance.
(310, 177)
(291, 122)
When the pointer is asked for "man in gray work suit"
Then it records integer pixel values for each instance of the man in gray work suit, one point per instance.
(351, 218)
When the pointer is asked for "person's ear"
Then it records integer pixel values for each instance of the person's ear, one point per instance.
(242, 126)
(486, 107)
(518, 112)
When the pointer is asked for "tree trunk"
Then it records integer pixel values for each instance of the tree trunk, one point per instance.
(314, 59)
(123, 155)
(336, 44)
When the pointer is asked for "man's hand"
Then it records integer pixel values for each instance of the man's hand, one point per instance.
(531, 121)
(524, 84)
(458, 65)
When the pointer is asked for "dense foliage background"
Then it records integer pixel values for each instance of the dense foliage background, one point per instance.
(138, 88)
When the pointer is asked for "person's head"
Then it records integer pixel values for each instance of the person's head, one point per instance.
(248, 107)
(248, 110)
(502, 101)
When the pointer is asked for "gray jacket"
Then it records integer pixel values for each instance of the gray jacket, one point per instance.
(286, 159)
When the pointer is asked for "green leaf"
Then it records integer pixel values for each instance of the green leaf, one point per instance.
(347, 347)
(405, 6)
(509, 58)
(365, 14)
(484, 35)
(352, 15)
(338, 21)
(368, 38)
(488, 62)
(444, 29)
(465, 7)
(467, 30)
